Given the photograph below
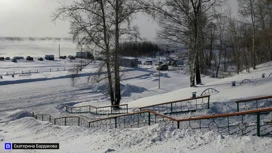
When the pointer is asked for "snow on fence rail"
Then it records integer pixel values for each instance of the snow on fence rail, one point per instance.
(104, 110)
(180, 106)
(254, 122)
(259, 102)
(208, 91)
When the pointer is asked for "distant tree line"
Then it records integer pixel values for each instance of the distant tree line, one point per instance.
(35, 38)
(138, 49)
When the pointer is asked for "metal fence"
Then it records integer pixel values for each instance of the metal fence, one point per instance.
(180, 106)
(255, 103)
(209, 91)
(254, 122)
(43, 117)
(29, 72)
(132, 120)
(104, 110)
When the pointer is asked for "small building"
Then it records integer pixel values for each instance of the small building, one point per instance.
(85, 55)
(49, 57)
(128, 62)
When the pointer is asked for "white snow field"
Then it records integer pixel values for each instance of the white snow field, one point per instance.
(50, 92)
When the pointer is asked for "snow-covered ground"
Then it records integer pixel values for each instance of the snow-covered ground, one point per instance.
(49, 92)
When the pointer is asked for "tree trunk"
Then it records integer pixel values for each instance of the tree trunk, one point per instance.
(116, 56)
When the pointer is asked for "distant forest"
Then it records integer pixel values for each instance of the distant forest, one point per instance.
(135, 49)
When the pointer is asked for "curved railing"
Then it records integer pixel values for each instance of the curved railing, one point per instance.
(209, 91)
(245, 81)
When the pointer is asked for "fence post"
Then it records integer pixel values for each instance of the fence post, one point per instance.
(65, 121)
(49, 118)
(178, 124)
(148, 118)
(171, 108)
(115, 122)
(78, 121)
(209, 102)
(237, 107)
(258, 125)
(127, 108)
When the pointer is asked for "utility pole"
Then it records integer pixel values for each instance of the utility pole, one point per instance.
(59, 50)
(81, 55)
(159, 71)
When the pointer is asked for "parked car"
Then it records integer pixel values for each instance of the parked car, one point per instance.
(7, 58)
(158, 63)
(148, 63)
(72, 58)
(2, 58)
(28, 58)
(62, 57)
(14, 60)
(162, 67)
(40, 59)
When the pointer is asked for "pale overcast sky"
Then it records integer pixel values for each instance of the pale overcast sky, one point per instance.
(32, 18)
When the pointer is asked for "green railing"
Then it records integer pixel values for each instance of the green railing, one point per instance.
(132, 120)
(43, 117)
(255, 103)
(68, 121)
(180, 106)
(104, 110)
(254, 122)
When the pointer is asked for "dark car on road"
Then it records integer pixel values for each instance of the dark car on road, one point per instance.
(148, 63)
(29, 58)
(162, 67)
(14, 60)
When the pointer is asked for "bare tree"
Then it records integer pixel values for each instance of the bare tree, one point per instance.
(100, 24)
(247, 8)
(220, 22)
(183, 21)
